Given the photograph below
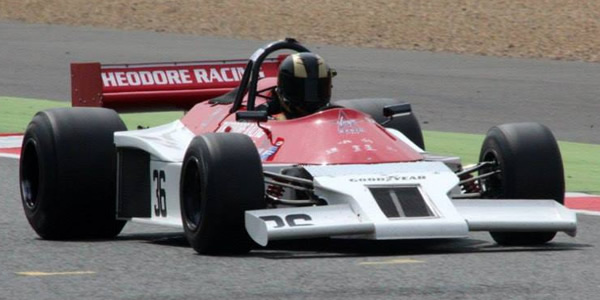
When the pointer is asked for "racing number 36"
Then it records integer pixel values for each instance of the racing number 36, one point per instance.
(160, 209)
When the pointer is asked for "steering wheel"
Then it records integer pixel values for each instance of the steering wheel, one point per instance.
(250, 77)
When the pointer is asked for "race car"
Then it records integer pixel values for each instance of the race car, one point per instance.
(233, 177)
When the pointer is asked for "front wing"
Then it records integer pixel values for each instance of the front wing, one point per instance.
(364, 203)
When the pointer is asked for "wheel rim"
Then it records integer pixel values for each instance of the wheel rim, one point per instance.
(192, 195)
(491, 187)
(30, 175)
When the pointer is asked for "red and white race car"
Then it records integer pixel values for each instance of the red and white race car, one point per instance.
(231, 176)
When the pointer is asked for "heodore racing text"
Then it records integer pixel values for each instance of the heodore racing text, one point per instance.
(171, 77)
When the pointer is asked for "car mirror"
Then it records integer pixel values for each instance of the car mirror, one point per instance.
(396, 109)
(254, 115)
(333, 72)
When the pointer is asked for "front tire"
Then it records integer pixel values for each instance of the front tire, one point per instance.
(221, 178)
(68, 173)
(530, 165)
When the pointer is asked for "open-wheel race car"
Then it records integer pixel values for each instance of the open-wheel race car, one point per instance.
(232, 175)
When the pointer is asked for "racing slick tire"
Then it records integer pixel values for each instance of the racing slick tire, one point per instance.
(407, 124)
(530, 165)
(221, 178)
(67, 173)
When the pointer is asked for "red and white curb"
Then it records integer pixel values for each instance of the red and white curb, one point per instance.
(10, 146)
(583, 203)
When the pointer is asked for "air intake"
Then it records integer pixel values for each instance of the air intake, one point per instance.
(401, 202)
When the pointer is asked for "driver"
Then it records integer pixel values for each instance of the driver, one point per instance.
(303, 86)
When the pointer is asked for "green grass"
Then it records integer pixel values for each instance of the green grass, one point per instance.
(582, 166)
(581, 161)
(466, 146)
(15, 114)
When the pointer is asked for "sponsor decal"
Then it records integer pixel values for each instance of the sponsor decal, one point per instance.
(249, 129)
(347, 125)
(365, 147)
(332, 151)
(388, 178)
(293, 220)
(173, 76)
(266, 154)
(391, 149)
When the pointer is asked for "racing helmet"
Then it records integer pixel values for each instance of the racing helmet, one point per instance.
(304, 83)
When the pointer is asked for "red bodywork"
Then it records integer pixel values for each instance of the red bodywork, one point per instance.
(335, 136)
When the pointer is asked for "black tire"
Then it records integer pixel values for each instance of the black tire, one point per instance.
(531, 168)
(221, 178)
(68, 173)
(407, 124)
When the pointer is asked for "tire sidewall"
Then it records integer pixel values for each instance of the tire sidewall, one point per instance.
(74, 200)
(40, 137)
(230, 179)
(196, 157)
(529, 159)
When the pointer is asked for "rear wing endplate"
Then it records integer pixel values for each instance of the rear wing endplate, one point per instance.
(157, 86)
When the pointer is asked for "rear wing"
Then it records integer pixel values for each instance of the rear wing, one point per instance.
(157, 86)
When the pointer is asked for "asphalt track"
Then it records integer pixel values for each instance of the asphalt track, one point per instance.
(449, 92)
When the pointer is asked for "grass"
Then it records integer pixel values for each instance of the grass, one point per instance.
(581, 161)
(15, 114)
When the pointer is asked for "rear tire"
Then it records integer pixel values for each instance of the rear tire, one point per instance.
(531, 168)
(68, 173)
(407, 124)
(221, 178)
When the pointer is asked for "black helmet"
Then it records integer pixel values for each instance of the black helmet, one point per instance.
(304, 83)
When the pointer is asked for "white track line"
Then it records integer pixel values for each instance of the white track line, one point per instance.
(10, 141)
(587, 212)
(577, 194)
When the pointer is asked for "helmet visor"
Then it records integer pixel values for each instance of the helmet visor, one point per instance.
(309, 91)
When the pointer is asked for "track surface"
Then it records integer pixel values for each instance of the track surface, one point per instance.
(155, 263)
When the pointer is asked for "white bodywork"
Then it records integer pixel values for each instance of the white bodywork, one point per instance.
(164, 143)
(352, 210)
